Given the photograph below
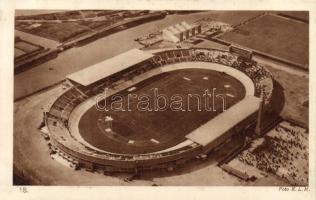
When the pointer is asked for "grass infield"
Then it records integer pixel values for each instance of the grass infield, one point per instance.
(152, 131)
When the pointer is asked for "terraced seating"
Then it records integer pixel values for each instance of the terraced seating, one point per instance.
(170, 54)
(164, 56)
(185, 52)
(157, 60)
(178, 53)
(63, 106)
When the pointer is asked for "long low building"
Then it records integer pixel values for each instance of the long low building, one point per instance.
(109, 67)
(181, 31)
(222, 126)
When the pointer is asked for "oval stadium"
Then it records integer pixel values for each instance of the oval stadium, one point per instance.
(148, 110)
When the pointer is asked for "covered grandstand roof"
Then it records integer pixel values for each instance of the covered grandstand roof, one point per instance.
(108, 67)
(222, 123)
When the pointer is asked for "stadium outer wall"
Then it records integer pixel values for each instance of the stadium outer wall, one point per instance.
(79, 155)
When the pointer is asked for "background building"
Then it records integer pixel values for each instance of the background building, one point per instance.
(181, 31)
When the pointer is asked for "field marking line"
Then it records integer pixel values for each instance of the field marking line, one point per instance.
(186, 78)
(131, 89)
(227, 86)
(154, 141)
(230, 95)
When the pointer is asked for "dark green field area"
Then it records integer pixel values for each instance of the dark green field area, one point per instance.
(167, 127)
(276, 36)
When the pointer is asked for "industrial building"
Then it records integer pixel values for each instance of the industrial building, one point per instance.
(180, 32)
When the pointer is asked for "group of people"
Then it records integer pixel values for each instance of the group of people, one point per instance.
(215, 56)
(279, 154)
(251, 68)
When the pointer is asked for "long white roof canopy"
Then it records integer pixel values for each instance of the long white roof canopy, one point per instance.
(109, 67)
(219, 125)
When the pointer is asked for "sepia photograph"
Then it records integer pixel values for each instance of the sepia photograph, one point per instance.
(161, 97)
(169, 99)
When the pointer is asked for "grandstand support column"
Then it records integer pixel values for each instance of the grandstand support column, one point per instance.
(83, 94)
(258, 129)
(136, 168)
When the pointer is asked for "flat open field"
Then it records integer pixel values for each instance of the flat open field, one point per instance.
(156, 130)
(232, 18)
(276, 36)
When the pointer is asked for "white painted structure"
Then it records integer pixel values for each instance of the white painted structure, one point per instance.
(181, 31)
(109, 67)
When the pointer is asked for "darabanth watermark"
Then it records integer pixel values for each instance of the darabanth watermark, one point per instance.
(209, 100)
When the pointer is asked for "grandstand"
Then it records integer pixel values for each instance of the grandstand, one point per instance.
(136, 68)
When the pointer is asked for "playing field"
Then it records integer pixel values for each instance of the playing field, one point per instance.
(138, 131)
(273, 35)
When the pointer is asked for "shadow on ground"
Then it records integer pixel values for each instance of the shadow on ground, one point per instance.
(277, 99)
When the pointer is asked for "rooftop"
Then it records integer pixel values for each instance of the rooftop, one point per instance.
(222, 123)
(109, 67)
